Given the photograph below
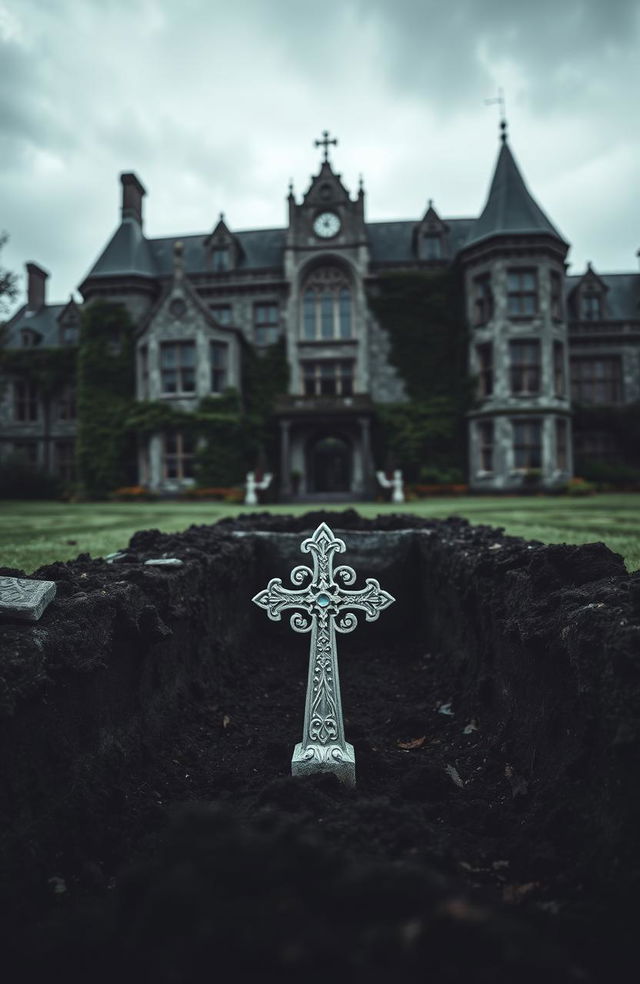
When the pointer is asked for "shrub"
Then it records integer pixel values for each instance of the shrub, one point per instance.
(133, 493)
(19, 479)
(214, 493)
(614, 474)
(422, 491)
(579, 486)
(429, 475)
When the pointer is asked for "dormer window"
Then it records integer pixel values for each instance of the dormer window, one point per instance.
(591, 306)
(432, 246)
(220, 259)
(29, 337)
(69, 332)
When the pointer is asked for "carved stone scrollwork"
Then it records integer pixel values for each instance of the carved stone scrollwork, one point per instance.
(323, 606)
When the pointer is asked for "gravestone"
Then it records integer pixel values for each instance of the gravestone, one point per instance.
(323, 606)
(23, 599)
(164, 562)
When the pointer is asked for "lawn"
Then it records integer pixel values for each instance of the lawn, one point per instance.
(36, 533)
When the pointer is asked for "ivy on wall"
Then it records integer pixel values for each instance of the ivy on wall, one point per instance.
(622, 425)
(235, 431)
(49, 369)
(424, 317)
(105, 448)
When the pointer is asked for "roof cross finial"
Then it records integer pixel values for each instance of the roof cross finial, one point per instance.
(325, 143)
(499, 100)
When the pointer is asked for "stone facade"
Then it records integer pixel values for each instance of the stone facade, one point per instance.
(535, 335)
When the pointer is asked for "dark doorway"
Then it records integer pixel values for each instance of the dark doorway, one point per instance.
(329, 464)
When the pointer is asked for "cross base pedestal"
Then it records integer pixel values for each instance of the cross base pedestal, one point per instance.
(325, 758)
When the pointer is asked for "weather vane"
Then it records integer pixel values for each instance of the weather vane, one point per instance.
(499, 100)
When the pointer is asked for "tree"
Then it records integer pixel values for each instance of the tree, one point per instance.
(8, 281)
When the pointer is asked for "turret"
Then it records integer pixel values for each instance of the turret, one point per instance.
(513, 263)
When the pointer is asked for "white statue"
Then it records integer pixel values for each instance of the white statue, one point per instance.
(252, 486)
(396, 484)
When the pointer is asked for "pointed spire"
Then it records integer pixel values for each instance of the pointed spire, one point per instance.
(510, 208)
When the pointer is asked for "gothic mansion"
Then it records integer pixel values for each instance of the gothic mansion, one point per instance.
(540, 341)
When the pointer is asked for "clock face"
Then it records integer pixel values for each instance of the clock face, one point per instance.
(326, 225)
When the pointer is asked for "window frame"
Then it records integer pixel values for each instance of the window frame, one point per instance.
(179, 456)
(266, 331)
(219, 372)
(521, 292)
(581, 382)
(486, 446)
(591, 305)
(67, 409)
(327, 307)
(26, 402)
(180, 369)
(559, 371)
(431, 238)
(328, 377)
(485, 369)
(527, 446)
(556, 296)
(220, 258)
(529, 373)
(483, 305)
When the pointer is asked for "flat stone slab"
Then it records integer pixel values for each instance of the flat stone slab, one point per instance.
(24, 599)
(164, 562)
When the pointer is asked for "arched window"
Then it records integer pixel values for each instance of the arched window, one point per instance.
(327, 306)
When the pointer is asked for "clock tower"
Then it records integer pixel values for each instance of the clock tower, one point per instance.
(327, 413)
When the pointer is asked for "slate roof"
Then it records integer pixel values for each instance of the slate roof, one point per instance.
(260, 249)
(392, 242)
(44, 321)
(126, 253)
(129, 253)
(622, 299)
(510, 207)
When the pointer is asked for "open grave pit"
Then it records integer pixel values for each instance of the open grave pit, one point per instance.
(149, 821)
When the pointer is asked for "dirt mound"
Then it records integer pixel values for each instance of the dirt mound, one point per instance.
(150, 826)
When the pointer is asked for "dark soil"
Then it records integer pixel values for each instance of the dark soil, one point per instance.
(493, 832)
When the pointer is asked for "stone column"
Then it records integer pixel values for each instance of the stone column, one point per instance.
(285, 464)
(367, 464)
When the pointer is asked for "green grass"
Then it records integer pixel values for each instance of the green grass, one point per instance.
(36, 533)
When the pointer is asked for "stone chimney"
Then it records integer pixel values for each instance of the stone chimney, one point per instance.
(36, 286)
(132, 194)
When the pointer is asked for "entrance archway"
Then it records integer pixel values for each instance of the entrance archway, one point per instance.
(329, 465)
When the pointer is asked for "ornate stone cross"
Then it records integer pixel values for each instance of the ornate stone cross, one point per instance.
(323, 604)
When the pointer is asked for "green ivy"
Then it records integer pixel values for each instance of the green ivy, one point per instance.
(236, 431)
(105, 449)
(623, 425)
(424, 317)
(50, 369)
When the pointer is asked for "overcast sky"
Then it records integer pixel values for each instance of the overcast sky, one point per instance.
(215, 105)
